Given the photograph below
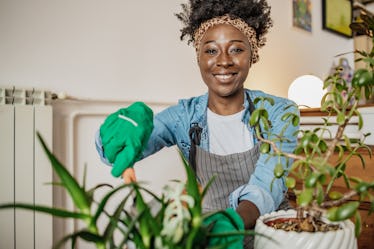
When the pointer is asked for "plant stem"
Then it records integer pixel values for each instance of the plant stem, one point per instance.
(278, 151)
(346, 197)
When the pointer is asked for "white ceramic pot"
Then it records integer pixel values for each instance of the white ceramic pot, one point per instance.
(280, 239)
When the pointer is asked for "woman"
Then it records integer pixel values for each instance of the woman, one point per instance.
(211, 130)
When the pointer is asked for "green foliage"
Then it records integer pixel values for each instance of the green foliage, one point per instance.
(178, 223)
(311, 165)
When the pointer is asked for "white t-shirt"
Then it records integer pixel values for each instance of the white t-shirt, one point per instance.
(228, 134)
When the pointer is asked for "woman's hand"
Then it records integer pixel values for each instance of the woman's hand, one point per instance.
(129, 175)
(124, 134)
(249, 213)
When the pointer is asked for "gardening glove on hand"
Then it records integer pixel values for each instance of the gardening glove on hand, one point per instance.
(226, 222)
(124, 134)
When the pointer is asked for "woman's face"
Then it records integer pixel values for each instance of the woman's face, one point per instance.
(224, 60)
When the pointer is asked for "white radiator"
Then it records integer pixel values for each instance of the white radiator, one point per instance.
(24, 167)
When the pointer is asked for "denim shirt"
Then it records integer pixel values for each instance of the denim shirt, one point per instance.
(172, 125)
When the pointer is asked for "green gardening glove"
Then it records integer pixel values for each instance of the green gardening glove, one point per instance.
(124, 134)
(227, 221)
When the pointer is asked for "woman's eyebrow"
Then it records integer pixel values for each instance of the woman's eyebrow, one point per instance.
(232, 41)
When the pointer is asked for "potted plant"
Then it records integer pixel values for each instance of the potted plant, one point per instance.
(177, 221)
(322, 217)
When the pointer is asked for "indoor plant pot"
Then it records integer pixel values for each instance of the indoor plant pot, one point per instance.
(343, 238)
(310, 171)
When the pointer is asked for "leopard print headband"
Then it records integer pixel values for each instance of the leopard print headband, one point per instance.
(238, 23)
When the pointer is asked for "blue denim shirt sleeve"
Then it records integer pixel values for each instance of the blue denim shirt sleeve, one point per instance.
(265, 191)
(99, 148)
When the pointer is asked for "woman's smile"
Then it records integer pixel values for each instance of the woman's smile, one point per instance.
(225, 77)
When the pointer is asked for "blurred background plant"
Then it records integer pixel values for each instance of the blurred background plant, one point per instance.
(364, 25)
(176, 222)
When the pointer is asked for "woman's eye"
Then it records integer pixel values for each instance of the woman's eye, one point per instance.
(236, 50)
(210, 51)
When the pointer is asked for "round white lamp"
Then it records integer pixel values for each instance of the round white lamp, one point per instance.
(306, 91)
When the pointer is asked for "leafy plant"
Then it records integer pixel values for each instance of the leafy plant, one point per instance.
(177, 223)
(312, 164)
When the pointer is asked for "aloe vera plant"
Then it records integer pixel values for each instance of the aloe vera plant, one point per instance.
(178, 223)
(311, 165)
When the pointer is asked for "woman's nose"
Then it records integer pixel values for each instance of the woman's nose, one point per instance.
(225, 60)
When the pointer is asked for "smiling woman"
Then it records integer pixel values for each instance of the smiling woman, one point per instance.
(212, 130)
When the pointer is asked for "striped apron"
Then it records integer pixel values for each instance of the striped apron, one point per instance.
(229, 172)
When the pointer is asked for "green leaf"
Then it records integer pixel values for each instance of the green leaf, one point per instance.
(205, 190)
(48, 210)
(290, 182)
(362, 187)
(77, 193)
(320, 193)
(347, 142)
(265, 123)
(335, 195)
(255, 117)
(331, 213)
(322, 145)
(113, 219)
(341, 169)
(346, 181)
(145, 218)
(286, 116)
(305, 140)
(363, 163)
(295, 120)
(360, 119)
(278, 170)
(340, 118)
(90, 192)
(312, 179)
(264, 148)
(192, 186)
(270, 100)
(345, 211)
(371, 208)
(358, 225)
(83, 234)
(105, 199)
(257, 100)
(131, 230)
(341, 151)
(305, 197)
(338, 97)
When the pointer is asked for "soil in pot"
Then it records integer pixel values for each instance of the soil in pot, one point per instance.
(308, 224)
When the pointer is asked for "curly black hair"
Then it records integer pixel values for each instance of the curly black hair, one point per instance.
(256, 13)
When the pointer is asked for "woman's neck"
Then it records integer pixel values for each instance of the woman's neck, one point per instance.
(226, 105)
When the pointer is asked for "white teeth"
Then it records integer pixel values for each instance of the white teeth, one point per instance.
(224, 76)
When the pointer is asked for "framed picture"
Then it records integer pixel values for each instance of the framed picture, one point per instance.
(302, 14)
(337, 16)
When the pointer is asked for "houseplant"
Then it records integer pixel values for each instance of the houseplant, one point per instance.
(319, 208)
(178, 222)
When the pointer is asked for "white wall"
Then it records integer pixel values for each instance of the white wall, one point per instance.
(123, 49)
(292, 52)
(117, 49)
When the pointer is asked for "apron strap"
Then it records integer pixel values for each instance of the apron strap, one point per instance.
(252, 107)
(195, 136)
